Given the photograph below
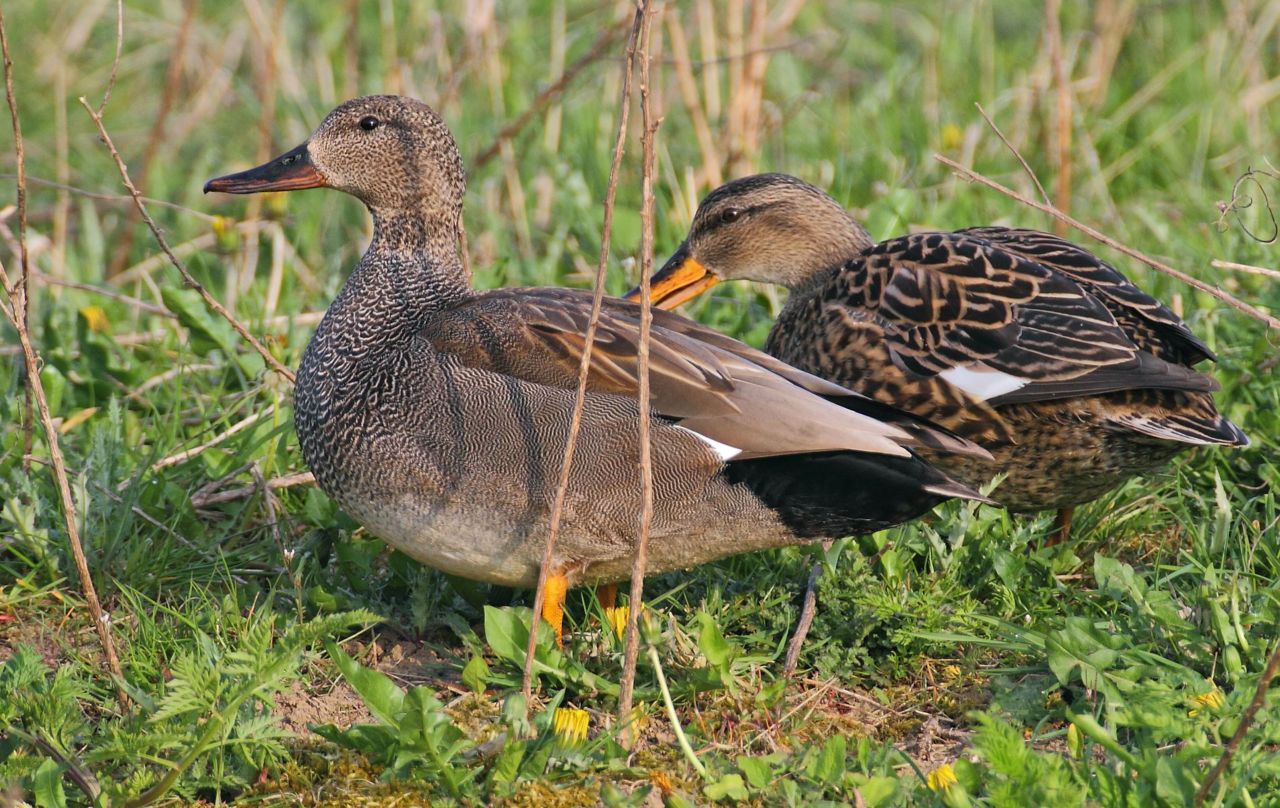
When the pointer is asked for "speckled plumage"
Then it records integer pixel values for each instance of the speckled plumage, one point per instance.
(1099, 376)
(436, 415)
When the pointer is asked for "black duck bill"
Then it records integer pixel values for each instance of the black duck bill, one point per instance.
(291, 171)
(680, 280)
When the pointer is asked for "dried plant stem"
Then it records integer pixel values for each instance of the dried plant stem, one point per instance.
(548, 94)
(204, 500)
(808, 610)
(286, 556)
(20, 292)
(238, 426)
(1062, 87)
(33, 364)
(191, 282)
(1248, 269)
(1025, 167)
(1225, 297)
(648, 134)
(173, 76)
(17, 295)
(1246, 720)
(584, 367)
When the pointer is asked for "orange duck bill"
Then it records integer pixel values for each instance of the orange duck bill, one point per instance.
(680, 280)
(291, 171)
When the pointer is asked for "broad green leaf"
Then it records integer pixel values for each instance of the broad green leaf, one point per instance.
(711, 642)
(729, 787)
(46, 785)
(476, 674)
(759, 773)
(382, 696)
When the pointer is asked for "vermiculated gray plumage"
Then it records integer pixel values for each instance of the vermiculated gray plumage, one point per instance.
(437, 415)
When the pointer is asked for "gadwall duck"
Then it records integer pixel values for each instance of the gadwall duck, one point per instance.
(436, 415)
(1070, 375)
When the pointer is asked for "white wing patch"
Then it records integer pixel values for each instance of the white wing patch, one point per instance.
(982, 381)
(724, 450)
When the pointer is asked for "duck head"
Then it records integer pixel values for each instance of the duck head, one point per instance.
(393, 153)
(771, 228)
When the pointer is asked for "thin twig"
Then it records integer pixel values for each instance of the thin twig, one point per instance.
(204, 500)
(33, 364)
(1246, 268)
(187, 454)
(19, 294)
(584, 366)
(115, 62)
(173, 75)
(286, 555)
(1246, 720)
(35, 394)
(142, 305)
(191, 282)
(1062, 86)
(150, 200)
(1025, 167)
(1234, 302)
(549, 94)
(808, 609)
(648, 134)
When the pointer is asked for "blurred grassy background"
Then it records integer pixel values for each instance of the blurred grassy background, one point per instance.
(1171, 103)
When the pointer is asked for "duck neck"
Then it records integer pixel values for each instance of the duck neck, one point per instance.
(410, 271)
(415, 255)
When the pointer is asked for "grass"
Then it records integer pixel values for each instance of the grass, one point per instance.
(956, 660)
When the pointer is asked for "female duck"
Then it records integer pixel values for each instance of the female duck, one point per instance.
(1072, 377)
(436, 415)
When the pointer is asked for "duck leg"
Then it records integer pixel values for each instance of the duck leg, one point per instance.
(553, 595)
(1061, 526)
(807, 610)
(607, 596)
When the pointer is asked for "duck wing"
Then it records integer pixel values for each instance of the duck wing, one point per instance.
(744, 403)
(1151, 325)
(1003, 326)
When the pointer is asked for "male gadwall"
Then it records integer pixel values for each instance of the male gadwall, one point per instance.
(436, 415)
(1070, 375)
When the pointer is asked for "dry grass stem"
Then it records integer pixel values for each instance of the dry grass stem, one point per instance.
(584, 367)
(808, 609)
(1246, 720)
(19, 293)
(1062, 88)
(205, 498)
(18, 299)
(648, 134)
(1225, 297)
(115, 61)
(191, 282)
(286, 555)
(549, 94)
(1025, 166)
(173, 76)
(1249, 269)
(238, 426)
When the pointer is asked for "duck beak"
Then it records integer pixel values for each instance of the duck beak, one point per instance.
(291, 171)
(680, 280)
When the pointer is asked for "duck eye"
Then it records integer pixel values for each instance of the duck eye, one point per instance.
(368, 123)
(730, 215)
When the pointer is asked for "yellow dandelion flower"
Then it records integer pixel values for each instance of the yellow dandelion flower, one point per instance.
(1213, 700)
(95, 318)
(952, 136)
(942, 778)
(662, 781)
(571, 724)
(617, 617)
